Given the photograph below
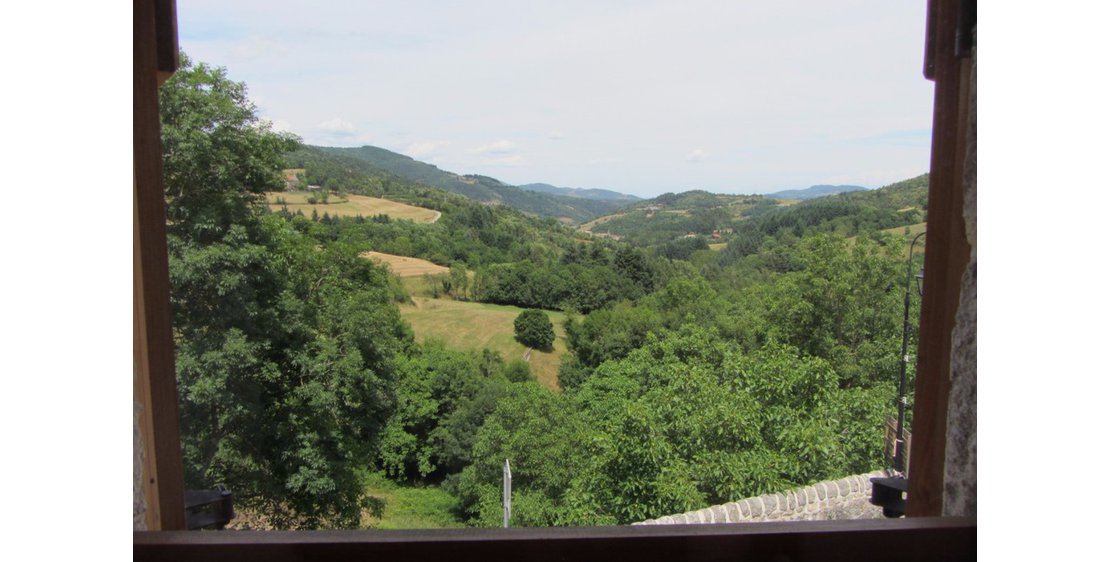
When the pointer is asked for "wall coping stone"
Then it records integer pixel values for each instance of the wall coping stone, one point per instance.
(844, 498)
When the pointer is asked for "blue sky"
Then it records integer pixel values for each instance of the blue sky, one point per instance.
(641, 97)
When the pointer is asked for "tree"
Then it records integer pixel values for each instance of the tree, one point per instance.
(518, 371)
(459, 279)
(533, 328)
(433, 285)
(285, 351)
(219, 156)
(548, 445)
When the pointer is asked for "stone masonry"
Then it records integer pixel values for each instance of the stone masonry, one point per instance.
(847, 498)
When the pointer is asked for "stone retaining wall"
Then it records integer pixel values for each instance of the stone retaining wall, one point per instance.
(847, 498)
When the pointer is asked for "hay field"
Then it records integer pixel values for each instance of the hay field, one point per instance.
(473, 326)
(403, 266)
(350, 206)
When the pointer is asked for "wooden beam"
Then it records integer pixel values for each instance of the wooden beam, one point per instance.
(945, 260)
(156, 385)
(165, 29)
(854, 540)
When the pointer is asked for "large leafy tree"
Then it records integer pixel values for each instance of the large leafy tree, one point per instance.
(219, 156)
(533, 328)
(285, 351)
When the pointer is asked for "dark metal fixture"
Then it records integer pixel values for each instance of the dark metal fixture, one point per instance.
(899, 443)
(890, 494)
(208, 509)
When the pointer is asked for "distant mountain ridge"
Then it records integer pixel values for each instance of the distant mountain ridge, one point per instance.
(585, 193)
(481, 188)
(814, 191)
(672, 216)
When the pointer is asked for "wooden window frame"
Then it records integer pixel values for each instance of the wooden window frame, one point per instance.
(923, 535)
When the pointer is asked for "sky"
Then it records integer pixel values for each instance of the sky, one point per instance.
(640, 97)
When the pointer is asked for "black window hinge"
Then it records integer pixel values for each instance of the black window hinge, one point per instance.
(965, 28)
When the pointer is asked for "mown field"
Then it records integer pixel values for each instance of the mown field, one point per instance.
(472, 325)
(404, 267)
(911, 230)
(350, 206)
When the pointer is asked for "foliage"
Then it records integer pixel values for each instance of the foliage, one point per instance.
(284, 353)
(433, 387)
(534, 329)
(409, 507)
(547, 444)
(219, 156)
(518, 370)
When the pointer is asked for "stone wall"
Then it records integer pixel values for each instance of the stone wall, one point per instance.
(847, 498)
(960, 464)
(138, 501)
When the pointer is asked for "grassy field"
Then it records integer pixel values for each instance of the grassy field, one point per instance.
(717, 247)
(409, 507)
(351, 205)
(417, 286)
(589, 226)
(472, 325)
(907, 232)
(914, 230)
(403, 267)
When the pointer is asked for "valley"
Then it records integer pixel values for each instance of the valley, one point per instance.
(357, 362)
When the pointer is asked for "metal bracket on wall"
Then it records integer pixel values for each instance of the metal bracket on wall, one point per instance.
(965, 28)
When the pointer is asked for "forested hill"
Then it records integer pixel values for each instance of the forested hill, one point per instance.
(814, 191)
(481, 188)
(585, 193)
(724, 218)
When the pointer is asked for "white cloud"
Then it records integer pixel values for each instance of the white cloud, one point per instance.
(641, 92)
(496, 147)
(697, 155)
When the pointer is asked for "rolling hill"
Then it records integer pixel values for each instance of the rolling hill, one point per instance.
(720, 217)
(481, 188)
(814, 191)
(584, 193)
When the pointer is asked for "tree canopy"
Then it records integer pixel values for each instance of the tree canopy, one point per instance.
(285, 352)
(533, 328)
